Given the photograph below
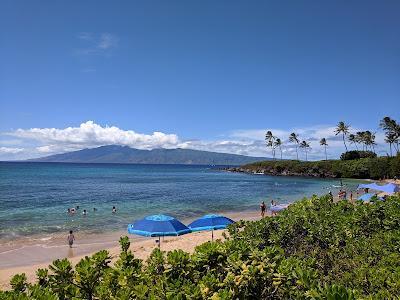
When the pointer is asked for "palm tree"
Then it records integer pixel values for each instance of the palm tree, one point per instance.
(344, 130)
(278, 143)
(388, 124)
(304, 145)
(353, 140)
(294, 138)
(323, 142)
(392, 132)
(360, 138)
(390, 139)
(269, 139)
(369, 139)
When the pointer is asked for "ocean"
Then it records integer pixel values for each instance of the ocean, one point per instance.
(34, 197)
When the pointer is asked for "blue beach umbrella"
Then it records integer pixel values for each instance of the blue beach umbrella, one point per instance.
(158, 225)
(210, 222)
(368, 196)
(278, 207)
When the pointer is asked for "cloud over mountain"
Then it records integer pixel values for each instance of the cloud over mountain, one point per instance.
(36, 142)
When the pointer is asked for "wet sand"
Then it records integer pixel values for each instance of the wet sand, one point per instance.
(26, 256)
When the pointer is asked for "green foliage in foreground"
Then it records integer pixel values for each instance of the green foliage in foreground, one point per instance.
(314, 250)
(375, 168)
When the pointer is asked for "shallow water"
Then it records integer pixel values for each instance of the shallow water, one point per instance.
(34, 197)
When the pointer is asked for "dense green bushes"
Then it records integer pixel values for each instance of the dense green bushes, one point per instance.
(374, 168)
(355, 154)
(314, 250)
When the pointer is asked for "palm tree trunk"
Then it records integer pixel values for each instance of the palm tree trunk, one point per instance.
(390, 146)
(297, 153)
(326, 156)
(280, 149)
(344, 142)
(306, 154)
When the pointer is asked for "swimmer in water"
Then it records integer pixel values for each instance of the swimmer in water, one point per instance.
(114, 210)
(84, 212)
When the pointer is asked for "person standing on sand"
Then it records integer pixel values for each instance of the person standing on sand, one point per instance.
(262, 207)
(70, 239)
(351, 196)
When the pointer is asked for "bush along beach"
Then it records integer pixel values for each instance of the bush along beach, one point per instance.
(316, 249)
(368, 167)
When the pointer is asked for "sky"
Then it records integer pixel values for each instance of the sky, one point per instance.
(209, 75)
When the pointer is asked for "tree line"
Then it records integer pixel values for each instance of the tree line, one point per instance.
(364, 140)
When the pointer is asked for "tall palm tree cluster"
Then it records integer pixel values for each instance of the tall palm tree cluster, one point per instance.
(274, 142)
(365, 139)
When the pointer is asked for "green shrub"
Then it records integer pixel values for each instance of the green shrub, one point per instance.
(374, 168)
(356, 154)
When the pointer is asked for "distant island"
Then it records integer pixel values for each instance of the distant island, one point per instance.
(127, 155)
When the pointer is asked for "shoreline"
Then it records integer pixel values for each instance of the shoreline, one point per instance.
(28, 258)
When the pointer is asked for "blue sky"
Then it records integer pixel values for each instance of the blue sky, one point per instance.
(210, 75)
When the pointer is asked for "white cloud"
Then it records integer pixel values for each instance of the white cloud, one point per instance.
(107, 41)
(97, 44)
(9, 150)
(86, 36)
(45, 141)
(90, 134)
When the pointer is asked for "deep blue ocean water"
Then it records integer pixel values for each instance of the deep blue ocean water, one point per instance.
(34, 197)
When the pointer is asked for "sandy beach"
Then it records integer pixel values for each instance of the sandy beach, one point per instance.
(26, 257)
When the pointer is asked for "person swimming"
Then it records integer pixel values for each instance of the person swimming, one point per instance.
(84, 212)
(114, 210)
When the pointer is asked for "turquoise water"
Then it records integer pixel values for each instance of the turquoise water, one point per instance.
(34, 197)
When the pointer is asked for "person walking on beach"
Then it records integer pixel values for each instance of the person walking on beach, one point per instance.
(70, 238)
(262, 207)
(273, 203)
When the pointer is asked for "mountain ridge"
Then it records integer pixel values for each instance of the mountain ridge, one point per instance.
(125, 154)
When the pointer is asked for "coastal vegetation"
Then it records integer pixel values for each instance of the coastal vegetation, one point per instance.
(316, 249)
(353, 164)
